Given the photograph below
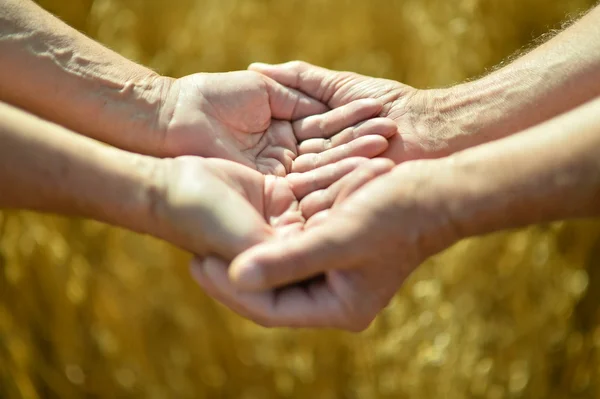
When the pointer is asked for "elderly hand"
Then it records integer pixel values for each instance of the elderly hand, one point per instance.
(249, 118)
(352, 258)
(423, 131)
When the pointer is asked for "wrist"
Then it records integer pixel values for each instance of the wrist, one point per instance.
(459, 120)
(151, 106)
(166, 91)
(439, 119)
(421, 189)
(133, 190)
(470, 200)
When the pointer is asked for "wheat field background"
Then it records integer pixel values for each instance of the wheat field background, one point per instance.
(88, 311)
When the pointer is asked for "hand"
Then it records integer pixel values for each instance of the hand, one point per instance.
(218, 207)
(248, 118)
(365, 247)
(422, 128)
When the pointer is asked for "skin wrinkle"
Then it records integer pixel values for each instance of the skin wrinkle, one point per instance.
(404, 226)
(62, 54)
(296, 100)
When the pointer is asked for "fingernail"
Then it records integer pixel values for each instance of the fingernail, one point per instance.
(249, 276)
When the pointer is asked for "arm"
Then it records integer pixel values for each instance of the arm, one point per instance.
(206, 206)
(187, 201)
(53, 71)
(554, 78)
(546, 173)
(47, 168)
(371, 241)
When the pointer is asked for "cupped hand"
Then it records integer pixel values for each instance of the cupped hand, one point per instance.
(219, 207)
(422, 131)
(249, 118)
(354, 256)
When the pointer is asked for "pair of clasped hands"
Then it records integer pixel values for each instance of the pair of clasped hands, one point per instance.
(288, 172)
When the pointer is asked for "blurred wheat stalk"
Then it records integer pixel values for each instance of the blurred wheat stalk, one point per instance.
(91, 311)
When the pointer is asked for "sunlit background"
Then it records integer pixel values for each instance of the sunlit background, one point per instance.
(88, 311)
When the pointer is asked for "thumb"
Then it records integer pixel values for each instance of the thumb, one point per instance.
(290, 104)
(309, 79)
(284, 261)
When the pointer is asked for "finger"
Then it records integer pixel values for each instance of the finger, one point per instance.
(362, 176)
(368, 147)
(378, 126)
(317, 82)
(290, 104)
(197, 271)
(320, 200)
(317, 219)
(278, 149)
(313, 306)
(304, 183)
(279, 262)
(327, 124)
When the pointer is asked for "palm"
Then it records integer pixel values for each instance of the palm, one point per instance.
(296, 203)
(220, 207)
(250, 119)
(403, 104)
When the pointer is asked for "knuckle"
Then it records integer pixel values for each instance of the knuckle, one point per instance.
(316, 161)
(254, 75)
(297, 65)
(321, 126)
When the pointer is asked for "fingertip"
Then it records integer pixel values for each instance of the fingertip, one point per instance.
(369, 104)
(305, 163)
(247, 276)
(259, 66)
(378, 126)
(214, 268)
(375, 145)
(246, 270)
(388, 128)
(382, 165)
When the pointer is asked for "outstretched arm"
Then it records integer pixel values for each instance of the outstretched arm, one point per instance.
(207, 206)
(53, 71)
(46, 168)
(554, 78)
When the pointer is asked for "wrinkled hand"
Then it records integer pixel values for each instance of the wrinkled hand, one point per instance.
(249, 118)
(365, 247)
(221, 208)
(422, 131)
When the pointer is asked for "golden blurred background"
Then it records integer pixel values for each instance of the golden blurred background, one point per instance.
(88, 311)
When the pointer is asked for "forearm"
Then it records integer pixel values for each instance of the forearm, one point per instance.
(549, 172)
(44, 167)
(53, 71)
(558, 76)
